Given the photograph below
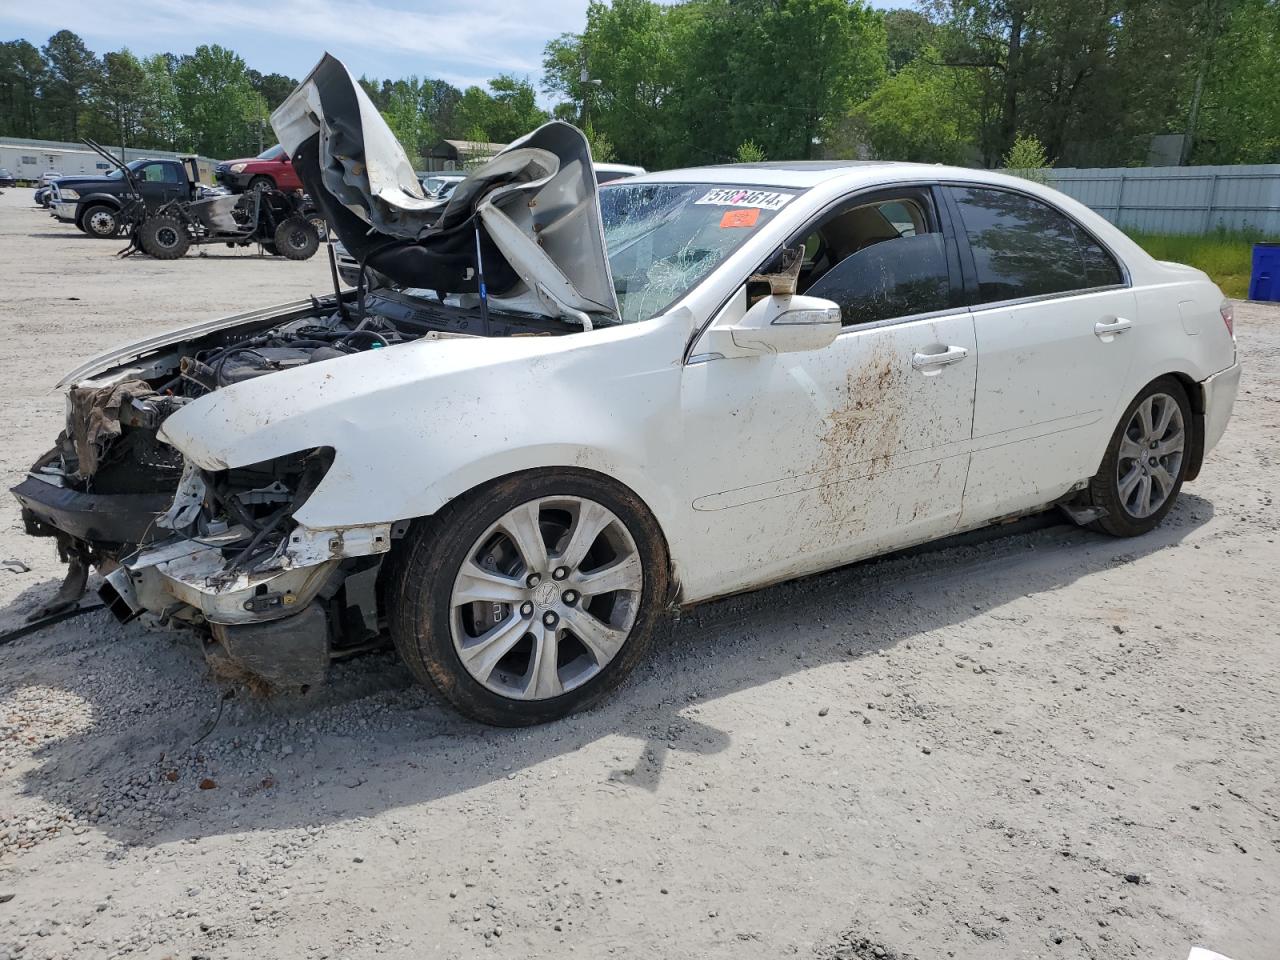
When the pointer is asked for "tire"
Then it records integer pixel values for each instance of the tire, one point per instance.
(432, 622)
(261, 182)
(1135, 496)
(296, 239)
(164, 238)
(100, 221)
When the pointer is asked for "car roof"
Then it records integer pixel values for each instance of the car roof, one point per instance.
(804, 174)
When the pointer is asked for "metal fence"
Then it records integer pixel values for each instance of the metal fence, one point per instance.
(1188, 200)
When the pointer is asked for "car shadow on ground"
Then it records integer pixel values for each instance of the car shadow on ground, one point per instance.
(371, 741)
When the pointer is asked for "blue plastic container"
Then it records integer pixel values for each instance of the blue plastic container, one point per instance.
(1264, 282)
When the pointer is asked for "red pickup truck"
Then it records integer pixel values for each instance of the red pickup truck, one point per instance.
(271, 168)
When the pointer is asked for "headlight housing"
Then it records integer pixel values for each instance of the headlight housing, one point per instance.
(238, 167)
(69, 194)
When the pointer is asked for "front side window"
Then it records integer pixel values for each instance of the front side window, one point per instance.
(664, 238)
(1025, 248)
(880, 260)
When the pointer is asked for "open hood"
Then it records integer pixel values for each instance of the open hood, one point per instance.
(531, 215)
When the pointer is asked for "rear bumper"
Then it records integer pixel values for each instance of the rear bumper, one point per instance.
(1219, 398)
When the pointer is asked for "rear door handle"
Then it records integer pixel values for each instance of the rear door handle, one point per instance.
(1111, 328)
(931, 361)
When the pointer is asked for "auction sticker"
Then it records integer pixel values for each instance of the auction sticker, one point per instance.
(741, 197)
(746, 217)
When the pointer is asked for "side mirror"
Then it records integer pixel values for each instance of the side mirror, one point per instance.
(787, 324)
(782, 272)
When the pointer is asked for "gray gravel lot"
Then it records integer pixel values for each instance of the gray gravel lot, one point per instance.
(1048, 745)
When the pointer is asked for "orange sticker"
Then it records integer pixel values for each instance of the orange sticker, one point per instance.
(740, 218)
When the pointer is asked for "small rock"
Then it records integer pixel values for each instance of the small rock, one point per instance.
(824, 711)
(1133, 878)
(207, 784)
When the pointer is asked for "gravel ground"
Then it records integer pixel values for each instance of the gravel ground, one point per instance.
(1049, 744)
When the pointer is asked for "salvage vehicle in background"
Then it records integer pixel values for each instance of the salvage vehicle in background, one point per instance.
(103, 206)
(7, 179)
(270, 170)
(553, 411)
(278, 222)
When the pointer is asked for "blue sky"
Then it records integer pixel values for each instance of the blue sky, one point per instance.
(461, 41)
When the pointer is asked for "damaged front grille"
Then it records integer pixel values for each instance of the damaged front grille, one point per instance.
(247, 512)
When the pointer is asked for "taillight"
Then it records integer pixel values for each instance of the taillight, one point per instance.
(1228, 312)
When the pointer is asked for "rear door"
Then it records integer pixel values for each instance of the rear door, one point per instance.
(1051, 309)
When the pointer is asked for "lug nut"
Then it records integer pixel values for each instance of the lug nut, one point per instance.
(570, 596)
(560, 573)
(533, 580)
(526, 609)
(549, 619)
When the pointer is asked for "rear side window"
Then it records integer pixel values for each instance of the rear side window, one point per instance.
(1025, 248)
(1100, 267)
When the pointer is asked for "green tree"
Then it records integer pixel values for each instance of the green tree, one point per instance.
(1239, 114)
(119, 97)
(72, 71)
(221, 112)
(1027, 159)
(921, 114)
(22, 72)
(161, 117)
(405, 115)
(908, 33)
(274, 87)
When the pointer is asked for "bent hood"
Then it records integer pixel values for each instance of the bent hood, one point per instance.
(530, 216)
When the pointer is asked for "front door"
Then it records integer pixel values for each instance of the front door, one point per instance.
(160, 183)
(804, 461)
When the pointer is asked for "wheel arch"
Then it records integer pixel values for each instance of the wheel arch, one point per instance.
(610, 477)
(1195, 397)
(85, 204)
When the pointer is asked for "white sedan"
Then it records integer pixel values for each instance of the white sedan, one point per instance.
(565, 410)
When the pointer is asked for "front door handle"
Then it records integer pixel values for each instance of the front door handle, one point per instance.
(1110, 328)
(929, 362)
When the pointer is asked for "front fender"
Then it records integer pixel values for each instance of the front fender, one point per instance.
(97, 199)
(414, 426)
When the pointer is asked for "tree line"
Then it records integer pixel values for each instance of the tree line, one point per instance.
(212, 103)
(957, 81)
(1079, 82)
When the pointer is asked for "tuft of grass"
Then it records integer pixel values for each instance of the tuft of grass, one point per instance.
(1225, 256)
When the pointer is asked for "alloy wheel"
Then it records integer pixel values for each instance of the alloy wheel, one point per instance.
(1151, 453)
(546, 598)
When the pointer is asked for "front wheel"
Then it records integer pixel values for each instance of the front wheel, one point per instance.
(296, 239)
(101, 221)
(1146, 461)
(531, 598)
(164, 238)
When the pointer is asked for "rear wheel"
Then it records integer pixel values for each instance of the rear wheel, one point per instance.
(101, 221)
(530, 599)
(164, 238)
(1146, 462)
(296, 239)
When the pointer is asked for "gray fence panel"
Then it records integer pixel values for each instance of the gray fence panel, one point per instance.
(1190, 200)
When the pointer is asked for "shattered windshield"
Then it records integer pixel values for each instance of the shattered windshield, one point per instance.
(663, 238)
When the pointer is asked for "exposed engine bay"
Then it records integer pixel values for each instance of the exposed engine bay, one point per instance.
(110, 486)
